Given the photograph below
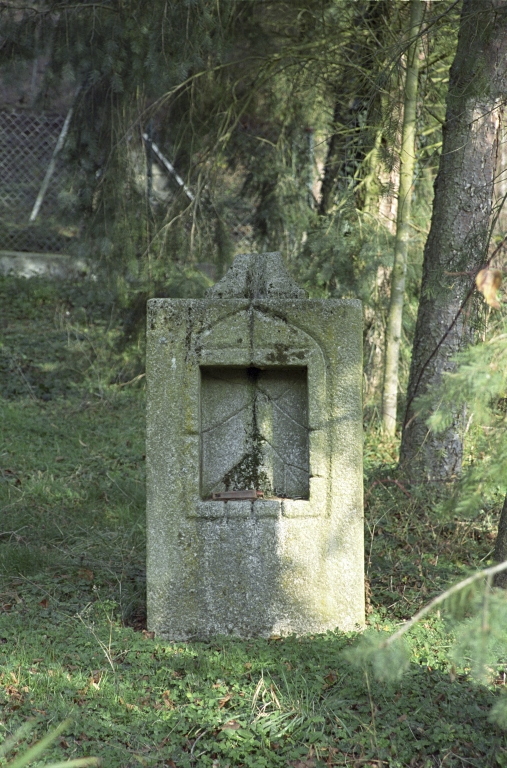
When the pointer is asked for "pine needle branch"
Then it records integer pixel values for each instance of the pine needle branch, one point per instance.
(487, 573)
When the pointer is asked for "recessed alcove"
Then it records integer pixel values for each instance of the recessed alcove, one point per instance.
(254, 431)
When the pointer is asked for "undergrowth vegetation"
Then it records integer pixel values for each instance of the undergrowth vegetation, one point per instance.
(73, 638)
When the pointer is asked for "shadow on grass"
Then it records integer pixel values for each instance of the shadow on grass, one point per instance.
(135, 700)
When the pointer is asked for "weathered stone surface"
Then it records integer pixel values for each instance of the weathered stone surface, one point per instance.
(256, 275)
(254, 431)
(254, 387)
(55, 265)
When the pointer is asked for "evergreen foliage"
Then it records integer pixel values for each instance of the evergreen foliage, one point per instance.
(479, 384)
(475, 609)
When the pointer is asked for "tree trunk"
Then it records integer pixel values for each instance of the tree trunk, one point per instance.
(407, 165)
(500, 204)
(459, 233)
(500, 553)
(382, 183)
(347, 146)
(332, 165)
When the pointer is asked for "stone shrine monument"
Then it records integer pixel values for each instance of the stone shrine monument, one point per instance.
(254, 455)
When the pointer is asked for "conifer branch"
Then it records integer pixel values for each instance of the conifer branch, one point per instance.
(449, 329)
(487, 573)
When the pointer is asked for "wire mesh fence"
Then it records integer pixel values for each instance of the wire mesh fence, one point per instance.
(34, 182)
(27, 143)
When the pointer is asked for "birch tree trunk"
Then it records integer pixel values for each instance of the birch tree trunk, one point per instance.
(459, 233)
(407, 165)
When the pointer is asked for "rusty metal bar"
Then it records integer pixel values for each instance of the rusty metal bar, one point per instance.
(237, 495)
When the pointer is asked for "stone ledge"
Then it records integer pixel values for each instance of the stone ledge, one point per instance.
(28, 264)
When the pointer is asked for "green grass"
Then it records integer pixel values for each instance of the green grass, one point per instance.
(72, 584)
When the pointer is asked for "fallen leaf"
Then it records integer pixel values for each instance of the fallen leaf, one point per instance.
(130, 707)
(13, 692)
(166, 696)
(224, 701)
(231, 725)
(330, 679)
(488, 281)
(44, 602)
(95, 679)
(85, 573)
(148, 635)
(59, 458)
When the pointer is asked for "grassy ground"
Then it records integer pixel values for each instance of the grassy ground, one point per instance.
(72, 625)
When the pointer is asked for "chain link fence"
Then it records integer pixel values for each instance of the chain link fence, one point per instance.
(34, 179)
(27, 143)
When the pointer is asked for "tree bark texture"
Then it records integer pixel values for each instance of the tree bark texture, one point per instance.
(500, 553)
(407, 165)
(334, 160)
(459, 233)
(500, 204)
(346, 147)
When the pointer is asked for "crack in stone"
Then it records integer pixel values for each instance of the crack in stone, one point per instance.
(225, 421)
(275, 399)
(284, 461)
(287, 416)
